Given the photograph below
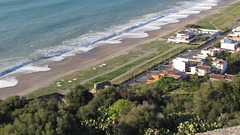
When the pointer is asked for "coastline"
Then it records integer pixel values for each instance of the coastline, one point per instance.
(33, 81)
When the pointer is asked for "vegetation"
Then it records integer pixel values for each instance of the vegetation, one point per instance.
(233, 60)
(150, 109)
(167, 106)
(150, 64)
(158, 47)
(222, 20)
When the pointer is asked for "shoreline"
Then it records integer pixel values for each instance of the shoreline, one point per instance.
(30, 82)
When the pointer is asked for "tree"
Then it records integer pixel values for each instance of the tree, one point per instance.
(9, 105)
(139, 119)
(235, 57)
(117, 108)
(77, 97)
(214, 99)
(104, 98)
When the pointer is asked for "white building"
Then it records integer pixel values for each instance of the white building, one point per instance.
(209, 31)
(197, 31)
(183, 64)
(235, 32)
(200, 56)
(182, 37)
(180, 64)
(203, 70)
(187, 36)
(219, 65)
(211, 52)
(230, 44)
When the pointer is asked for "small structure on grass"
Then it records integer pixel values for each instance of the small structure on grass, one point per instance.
(100, 85)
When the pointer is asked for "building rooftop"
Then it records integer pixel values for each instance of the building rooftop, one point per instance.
(229, 77)
(203, 67)
(183, 32)
(219, 61)
(171, 71)
(216, 76)
(219, 77)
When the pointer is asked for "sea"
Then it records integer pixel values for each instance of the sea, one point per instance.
(35, 31)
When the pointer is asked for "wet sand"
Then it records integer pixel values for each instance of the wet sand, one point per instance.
(33, 81)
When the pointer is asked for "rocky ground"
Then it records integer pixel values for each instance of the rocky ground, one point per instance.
(224, 131)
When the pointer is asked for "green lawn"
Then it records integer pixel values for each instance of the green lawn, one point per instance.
(158, 46)
(222, 19)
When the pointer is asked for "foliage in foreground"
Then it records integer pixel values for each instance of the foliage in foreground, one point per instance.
(151, 109)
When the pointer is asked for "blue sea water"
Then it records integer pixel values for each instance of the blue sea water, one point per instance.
(33, 30)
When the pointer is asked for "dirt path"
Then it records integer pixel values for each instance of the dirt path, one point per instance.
(117, 67)
(221, 16)
(135, 67)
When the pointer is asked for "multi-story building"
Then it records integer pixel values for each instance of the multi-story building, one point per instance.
(219, 65)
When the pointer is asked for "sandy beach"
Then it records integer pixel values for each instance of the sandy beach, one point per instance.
(33, 81)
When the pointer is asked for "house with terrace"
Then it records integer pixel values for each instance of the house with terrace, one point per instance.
(182, 37)
(188, 35)
(209, 51)
(229, 43)
(184, 64)
(219, 65)
(235, 34)
(200, 70)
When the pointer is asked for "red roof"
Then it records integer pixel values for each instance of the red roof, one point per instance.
(219, 61)
(170, 71)
(216, 76)
(229, 77)
(219, 77)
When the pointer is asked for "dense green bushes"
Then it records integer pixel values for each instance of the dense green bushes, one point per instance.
(217, 98)
(156, 108)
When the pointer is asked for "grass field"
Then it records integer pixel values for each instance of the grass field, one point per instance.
(150, 64)
(157, 47)
(222, 20)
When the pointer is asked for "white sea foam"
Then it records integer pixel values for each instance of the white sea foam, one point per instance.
(61, 57)
(170, 20)
(32, 69)
(149, 27)
(8, 82)
(110, 42)
(178, 16)
(151, 22)
(134, 35)
(140, 32)
(190, 11)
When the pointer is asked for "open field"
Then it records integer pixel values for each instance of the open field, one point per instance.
(223, 19)
(152, 49)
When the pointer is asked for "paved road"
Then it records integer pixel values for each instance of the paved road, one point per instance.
(137, 66)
